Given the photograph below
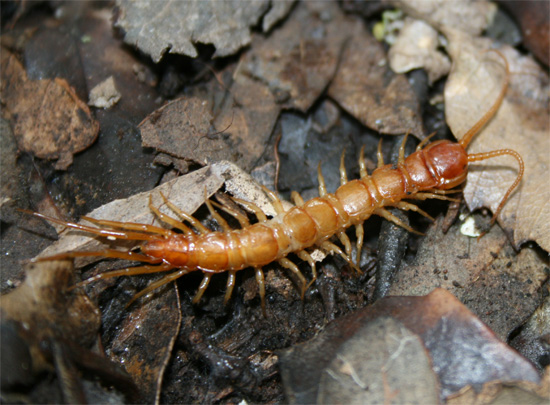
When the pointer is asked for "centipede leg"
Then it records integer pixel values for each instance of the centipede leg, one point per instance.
(332, 248)
(343, 174)
(287, 264)
(321, 180)
(261, 286)
(425, 141)
(379, 155)
(359, 233)
(362, 163)
(243, 220)
(346, 242)
(302, 254)
(297, 198)
(169, 220)
(202, 287)
(426, 196)
(277, 203)
(252, 207)
(130, 271)
(219, 219)
(192, 220)
(157, 284)
(390, 217)
(131, 226)
(401, 157)
(230, 285)
(106, 254)
(403, 205)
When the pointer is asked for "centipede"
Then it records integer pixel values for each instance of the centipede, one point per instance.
(433, 171)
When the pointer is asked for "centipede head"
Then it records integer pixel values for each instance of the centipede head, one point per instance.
(448, 162)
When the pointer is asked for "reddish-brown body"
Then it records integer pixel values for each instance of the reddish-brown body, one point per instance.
(441, 165)
(427, 173)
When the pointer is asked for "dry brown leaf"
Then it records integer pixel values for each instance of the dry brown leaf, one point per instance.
(186, 128)
(48, 118)
(521, 123)
(177, 25)
(298, 60)
(366, 87)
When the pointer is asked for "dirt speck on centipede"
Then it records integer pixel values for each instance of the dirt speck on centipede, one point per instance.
(220, 99)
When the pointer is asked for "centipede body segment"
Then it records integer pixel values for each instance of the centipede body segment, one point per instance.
(431, 172)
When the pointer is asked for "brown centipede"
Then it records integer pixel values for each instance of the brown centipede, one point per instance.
(431, 172)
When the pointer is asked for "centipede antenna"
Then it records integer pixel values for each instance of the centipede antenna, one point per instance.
(157, 284)
(343, 174)
(465, 141)
(168, 219)
(362, 163)
(202, 287)
(230, 286)
(321, 180)
(193, 221)
(476, 157)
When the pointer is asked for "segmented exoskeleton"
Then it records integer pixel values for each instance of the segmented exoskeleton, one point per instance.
(431, 172)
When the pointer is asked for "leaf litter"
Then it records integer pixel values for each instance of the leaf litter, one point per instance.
(231, 351)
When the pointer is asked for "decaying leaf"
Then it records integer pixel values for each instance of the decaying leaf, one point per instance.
(521, 123)
(47, 117)
(49, 311)
(177, 26)
(366, 88)
(497, 284)
(298, 60)
(465, 15)
(462, 350)
(499, 393)
(145, 338)
(416, 47)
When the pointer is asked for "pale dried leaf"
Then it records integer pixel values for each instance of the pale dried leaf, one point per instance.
(416, 47)
(521, 124)
(470, 16)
